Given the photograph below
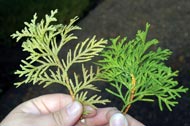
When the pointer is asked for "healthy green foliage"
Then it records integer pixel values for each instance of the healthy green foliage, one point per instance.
(136, 73)
(44, 41)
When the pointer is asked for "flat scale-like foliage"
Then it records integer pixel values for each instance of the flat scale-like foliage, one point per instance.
(138, 73)
(44, 41)
(134, 71)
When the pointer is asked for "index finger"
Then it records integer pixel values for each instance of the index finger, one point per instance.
(45, 104)
(102, 117)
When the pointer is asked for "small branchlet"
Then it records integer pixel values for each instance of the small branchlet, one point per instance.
(136, 73)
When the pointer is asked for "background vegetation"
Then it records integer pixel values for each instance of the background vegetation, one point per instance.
(12, 15)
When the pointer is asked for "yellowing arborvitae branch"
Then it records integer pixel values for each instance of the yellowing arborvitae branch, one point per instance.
(43, 66)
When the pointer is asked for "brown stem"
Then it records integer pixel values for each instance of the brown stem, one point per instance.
(132, 94)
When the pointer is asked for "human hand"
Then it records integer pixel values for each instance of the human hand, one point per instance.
(61, 110)
(110, 117)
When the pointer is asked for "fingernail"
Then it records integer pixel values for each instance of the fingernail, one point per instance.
(73, 108)
(118, 120)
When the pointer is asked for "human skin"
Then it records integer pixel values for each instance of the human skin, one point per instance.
(61, 110)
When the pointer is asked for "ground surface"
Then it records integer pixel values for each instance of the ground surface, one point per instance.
(169, 24)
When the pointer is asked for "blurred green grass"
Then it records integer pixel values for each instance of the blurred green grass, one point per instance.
(14, 12)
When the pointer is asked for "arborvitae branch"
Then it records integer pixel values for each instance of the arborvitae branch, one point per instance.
(43, 66)
(137, 73)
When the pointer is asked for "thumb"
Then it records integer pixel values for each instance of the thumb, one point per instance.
(68, 116)
(118, 119)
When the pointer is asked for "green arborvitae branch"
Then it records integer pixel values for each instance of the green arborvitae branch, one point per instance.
(136, 73)
(44, 41)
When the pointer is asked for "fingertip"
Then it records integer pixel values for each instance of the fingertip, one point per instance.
(102, 116)
(118, 119)
(132, 121)
(111, 112)
(74, 108)
(69, 115)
